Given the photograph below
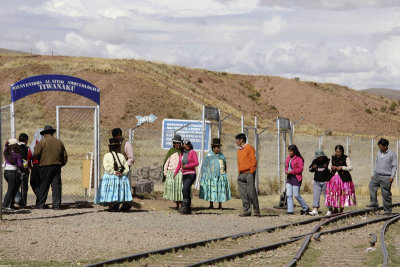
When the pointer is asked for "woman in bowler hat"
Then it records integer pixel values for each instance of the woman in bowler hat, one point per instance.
(173, 185)
(214, 182)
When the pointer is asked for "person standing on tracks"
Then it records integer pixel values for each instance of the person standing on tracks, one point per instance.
(294, 166)
(340, 191)
(52, 156)
(114, 188)
(173, 185)
(126, 150)
(214, 182)
(319, 166)
(383, 176)
(187, 164)
(247, 165)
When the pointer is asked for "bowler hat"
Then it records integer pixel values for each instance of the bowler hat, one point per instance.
(48, 129)
(216, 142)
(319, 153)
(177, 139)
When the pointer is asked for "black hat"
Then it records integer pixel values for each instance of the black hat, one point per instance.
(177, 139)
(113, 142)
(48, 129)
(216, 142)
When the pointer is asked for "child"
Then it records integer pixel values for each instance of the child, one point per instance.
(319, 167)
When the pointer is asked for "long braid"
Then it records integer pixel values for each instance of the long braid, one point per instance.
(116, 166)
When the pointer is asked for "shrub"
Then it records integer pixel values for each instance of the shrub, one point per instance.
(199, 80)
(368, 111)
(393, 106)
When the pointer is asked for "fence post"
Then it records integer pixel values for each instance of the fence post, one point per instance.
(12, 118)
(397, 173)
(372, 156)
(279, 155)
(256, 147)
(242, 124)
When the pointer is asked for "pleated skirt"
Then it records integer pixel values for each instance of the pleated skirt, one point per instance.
(173, 187)
(216, 189)
(113, 188)
(340, 194)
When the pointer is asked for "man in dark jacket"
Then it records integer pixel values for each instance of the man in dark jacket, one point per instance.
(52, 156)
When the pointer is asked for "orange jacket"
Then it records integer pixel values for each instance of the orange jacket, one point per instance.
(247, 159)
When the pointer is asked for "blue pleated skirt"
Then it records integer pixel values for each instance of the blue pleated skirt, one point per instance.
(113, 188)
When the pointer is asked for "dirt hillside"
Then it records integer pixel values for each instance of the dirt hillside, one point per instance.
(134, 87)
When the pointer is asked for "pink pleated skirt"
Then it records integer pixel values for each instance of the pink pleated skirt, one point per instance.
(340, 194)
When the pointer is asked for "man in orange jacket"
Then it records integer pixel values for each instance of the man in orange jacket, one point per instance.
(247, 165)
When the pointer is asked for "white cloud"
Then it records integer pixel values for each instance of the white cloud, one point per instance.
(111, 30)
(350, 42)
(332, 4)
(388, 56)
(273, 26)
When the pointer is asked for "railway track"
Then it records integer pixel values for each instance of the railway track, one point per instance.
(269, 246)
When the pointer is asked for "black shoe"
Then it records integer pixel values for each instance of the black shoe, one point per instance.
(185, 209)
(305, 212)
(289, 213)
(245, 214)
(56, 208)
(257, 215)
(371, 206)
(387, 213)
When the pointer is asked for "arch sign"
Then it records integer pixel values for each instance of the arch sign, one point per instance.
(54, 82)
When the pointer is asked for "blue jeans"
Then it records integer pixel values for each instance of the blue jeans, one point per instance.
(292, 190)
(318, 187)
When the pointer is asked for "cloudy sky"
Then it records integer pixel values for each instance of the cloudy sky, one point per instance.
(350, 42)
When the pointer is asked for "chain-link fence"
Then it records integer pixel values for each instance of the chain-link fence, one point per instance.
(76, 131)
(148, 152)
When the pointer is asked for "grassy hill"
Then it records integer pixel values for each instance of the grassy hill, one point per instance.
(135, 87)
(388, 93)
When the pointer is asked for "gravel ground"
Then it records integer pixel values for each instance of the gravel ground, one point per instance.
(78, 235)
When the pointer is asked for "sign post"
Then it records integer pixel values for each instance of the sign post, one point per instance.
(141, 120)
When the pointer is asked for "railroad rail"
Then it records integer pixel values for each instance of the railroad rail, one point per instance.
(228, 247)
(382, 237)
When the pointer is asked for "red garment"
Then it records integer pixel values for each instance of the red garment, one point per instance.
(297, 166)
(193, 162)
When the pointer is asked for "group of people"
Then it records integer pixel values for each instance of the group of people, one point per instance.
(180, 174)
(332, 178)
(43, 160)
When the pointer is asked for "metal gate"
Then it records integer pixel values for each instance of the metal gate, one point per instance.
(77, 128)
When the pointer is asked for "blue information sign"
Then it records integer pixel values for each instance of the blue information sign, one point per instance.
(192, 132)
(54, 82)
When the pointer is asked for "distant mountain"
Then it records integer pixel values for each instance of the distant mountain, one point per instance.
(389, 93)
(136, 87)
(8, 51)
